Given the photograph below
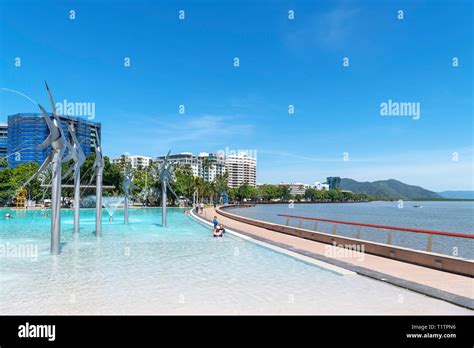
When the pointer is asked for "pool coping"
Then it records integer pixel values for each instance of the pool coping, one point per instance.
(426, 290)
(436, 261)
(280, 248)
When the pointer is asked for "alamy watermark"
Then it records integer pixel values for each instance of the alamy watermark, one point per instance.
(402, 109)
(84, 109)
(231, 152)
(28, 330)
(14, 250)
(346, 251)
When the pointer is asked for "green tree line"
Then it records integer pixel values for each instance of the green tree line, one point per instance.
(148, 186)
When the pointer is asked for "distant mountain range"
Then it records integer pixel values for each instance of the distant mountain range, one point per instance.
(392, 189)
(457, 194)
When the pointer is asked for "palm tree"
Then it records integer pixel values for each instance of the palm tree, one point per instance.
(197, 187)
(222, 183)
(212, 191)
(206, 165)
(208, 190)
(184, 181)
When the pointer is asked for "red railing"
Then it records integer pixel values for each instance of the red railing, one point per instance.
(405, 229)
(390, 228)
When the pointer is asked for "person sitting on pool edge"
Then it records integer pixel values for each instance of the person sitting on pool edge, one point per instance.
(221, 228)
(217, 233)
(215, 222)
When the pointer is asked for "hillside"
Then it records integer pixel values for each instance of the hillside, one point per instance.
(391, 188)
(457, 194)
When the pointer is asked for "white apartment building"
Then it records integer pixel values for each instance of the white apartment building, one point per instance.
(297, 188)
(241, 168)
(320, 186)
(140, 161)
(210, 165)
(183, 159)
(135, 161)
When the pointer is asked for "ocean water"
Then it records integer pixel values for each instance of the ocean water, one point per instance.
(439, 216)
(143, 268)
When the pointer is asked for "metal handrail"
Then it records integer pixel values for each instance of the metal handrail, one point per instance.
(405, 229)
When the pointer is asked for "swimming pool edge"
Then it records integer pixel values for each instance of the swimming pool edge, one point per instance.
(291, 251)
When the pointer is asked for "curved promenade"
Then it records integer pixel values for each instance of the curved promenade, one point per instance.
(450, 287)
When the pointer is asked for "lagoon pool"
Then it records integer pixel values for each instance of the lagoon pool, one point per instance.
(143, 268)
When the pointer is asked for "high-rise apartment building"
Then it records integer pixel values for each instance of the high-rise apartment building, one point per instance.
(242, 169)
(210, 166)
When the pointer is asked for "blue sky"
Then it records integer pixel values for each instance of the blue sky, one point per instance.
(282, 62)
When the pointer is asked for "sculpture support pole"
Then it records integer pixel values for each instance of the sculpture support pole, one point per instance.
(56, 203)
(166, 177)
(126, 186)
(98, 203)
(58, 144)
(77, 199)
(125, 210)
(163, 203)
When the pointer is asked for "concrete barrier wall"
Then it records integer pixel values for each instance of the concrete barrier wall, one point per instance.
(422, 258)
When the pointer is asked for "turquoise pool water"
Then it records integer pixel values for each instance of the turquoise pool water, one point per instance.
(143, 268)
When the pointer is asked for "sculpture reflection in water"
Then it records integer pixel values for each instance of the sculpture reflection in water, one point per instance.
(126, 186)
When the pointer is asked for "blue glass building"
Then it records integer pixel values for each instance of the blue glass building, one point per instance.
(3, 140)
(334, 182)
(26, 131)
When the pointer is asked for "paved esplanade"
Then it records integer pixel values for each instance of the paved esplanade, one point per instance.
(448, 282)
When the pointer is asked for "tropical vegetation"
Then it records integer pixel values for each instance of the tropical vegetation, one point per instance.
(148, 187)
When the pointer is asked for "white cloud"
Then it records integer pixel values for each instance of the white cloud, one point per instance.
(329, 29)
(156, 135)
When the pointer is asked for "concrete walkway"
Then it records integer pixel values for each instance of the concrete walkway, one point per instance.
(421, 279)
